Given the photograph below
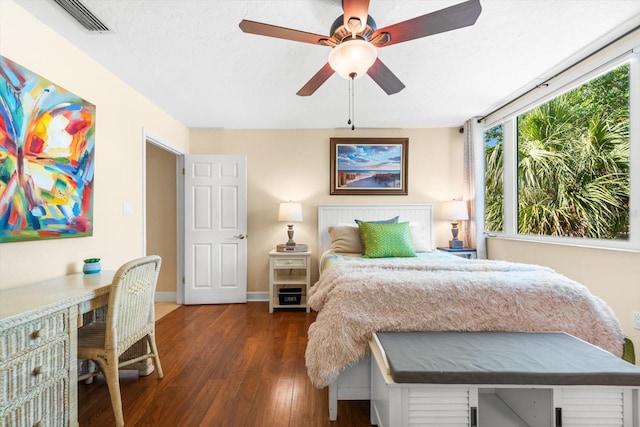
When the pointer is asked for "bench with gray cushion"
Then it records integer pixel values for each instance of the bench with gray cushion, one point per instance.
(535, 358)
(499, 378)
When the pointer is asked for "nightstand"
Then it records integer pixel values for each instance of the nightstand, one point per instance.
(468, 253)
(289, 279)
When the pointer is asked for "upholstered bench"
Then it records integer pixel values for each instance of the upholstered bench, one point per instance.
(496, 379)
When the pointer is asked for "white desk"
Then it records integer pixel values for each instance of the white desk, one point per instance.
(75, 289)
(38, 347)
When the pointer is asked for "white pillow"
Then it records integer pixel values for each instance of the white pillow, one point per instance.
(421, 241)
(345, 239)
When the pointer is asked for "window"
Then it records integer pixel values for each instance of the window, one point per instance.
(493, 179)
(560, 171)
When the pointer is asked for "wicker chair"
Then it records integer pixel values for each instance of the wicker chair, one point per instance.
(130, 318)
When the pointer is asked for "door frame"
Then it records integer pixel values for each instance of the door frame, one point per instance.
(149, 137)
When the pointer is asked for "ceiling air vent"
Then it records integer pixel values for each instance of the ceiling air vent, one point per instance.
(84, 16)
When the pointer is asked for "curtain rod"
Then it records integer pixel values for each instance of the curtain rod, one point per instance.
(546, 82)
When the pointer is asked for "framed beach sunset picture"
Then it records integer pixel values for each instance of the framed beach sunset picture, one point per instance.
(369, 166)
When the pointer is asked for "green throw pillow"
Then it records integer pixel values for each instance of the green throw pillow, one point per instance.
(387, 240)
(379, 221)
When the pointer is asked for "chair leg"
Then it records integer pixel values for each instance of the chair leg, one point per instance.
(110, 371)
(154, 349)
(91, 368)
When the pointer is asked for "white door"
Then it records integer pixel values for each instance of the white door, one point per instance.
(215, 229)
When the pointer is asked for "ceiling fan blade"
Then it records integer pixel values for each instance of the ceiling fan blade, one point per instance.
(280, 32)
(356, 9)
(382, 75)
(316, 81)
(447, 19)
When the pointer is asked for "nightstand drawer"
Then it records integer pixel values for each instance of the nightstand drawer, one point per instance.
(290, 262)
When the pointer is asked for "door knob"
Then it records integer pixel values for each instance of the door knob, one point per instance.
(241, 236)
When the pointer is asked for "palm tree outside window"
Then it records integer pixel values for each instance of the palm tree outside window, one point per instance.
(572, 163)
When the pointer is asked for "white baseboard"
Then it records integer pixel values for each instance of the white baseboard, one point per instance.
(172, 296)
(257, 296)
(166, 297)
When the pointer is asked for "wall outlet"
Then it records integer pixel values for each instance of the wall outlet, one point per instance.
(636, 320)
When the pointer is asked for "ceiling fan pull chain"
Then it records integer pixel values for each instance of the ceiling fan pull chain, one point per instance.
(349, 101)
(352, 101)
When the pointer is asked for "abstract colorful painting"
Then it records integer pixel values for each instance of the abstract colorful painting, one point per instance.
(47, 157)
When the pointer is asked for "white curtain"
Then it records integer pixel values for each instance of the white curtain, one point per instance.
(473, 230)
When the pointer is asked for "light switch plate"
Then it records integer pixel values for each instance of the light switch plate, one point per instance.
(127, 209)
(636, 320)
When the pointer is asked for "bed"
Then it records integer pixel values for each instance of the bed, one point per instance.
(356, 297)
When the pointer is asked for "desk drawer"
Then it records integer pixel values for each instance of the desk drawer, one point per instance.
(290, 262)
(46, 406)
(20, 376)
(29, 335)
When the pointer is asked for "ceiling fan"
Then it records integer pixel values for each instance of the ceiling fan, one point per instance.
(355, 39)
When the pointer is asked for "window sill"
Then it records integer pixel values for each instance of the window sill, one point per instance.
(570, 242)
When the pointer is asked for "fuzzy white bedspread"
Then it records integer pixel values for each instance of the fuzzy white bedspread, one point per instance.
(359, 297)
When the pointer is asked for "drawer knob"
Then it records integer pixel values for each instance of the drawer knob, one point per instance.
(36, 334)
(37, 371)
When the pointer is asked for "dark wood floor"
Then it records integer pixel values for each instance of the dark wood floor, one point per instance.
(224, 365)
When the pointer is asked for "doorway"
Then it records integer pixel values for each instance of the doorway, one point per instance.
(162, 219)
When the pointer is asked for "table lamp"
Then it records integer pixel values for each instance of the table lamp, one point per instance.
(290, 212)
(454, 211)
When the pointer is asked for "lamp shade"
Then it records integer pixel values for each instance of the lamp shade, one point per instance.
(454, 210)
(352, 56)
(290, 212)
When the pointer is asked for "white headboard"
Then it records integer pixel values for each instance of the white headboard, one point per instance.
(334, 214)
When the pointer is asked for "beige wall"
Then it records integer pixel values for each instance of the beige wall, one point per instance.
(612, 275)
(294, 165)
(122, 117)
(161, 215)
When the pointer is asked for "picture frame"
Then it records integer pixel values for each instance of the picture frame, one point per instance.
(369, 166)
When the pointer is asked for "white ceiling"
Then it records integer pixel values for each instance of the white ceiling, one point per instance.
(191, 58)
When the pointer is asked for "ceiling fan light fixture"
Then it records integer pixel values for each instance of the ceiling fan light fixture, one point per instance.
(352, 56)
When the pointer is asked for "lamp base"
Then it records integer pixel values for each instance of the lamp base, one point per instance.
(297, 248)
(455, 244)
